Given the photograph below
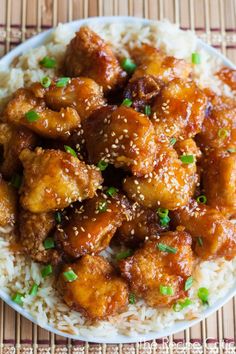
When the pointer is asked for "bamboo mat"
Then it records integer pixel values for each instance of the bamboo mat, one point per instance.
(215, 22)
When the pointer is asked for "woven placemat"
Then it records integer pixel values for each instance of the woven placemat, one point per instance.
(215, 22)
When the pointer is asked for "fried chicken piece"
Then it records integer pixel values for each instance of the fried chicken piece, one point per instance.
(151, 61)
(80, 93)
(219, 181)
(34, 229)
(219, 127)
(42, 120)
(228, 76)
(142, 90)
(141, 223)
(215, 236)
(88, 55)
(150, 269)
(54, 179)
(169, 186)
(179, 110)
(97, 291)
(90, 230)
(14, 141)
(8, 204)
(121, 136)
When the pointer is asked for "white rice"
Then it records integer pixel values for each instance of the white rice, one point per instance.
(18, 273)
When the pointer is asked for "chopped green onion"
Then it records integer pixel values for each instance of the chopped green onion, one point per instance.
(58, 217)
(123, 255)
(165, 248)
(17, 298)
(49, 243)
(147, 110)
(172, 141)
(223, 133)
(200, 241)
(132, 299)
(48, 62)
(188, 284)
(70, 275)
(180, 305)
(34, 289)
(202, 199)
(16, 181)
(127, 102)
(63, 81)
(45, 81)
(203, 294)
(164, 221)
(196, 58)
(162, 212)
(128, 65)
(166, 290)
(231, 150)
(70, 150)
(187, 159)
(32, 116)
(102, 206)
(47, 270)
(102, 165)
(111, 191)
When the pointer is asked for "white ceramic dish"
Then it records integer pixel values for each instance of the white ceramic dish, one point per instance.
(180, 326)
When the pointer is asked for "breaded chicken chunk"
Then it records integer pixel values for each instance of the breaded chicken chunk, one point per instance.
(169, 185)
(34, 230)
(179, 110)
(151, 61)
(96, 290)
(88, 55)
(219, 180)
(123, 137)
(159, 276)
(81, 93)
(219, 127)
(8, 204)
(25, 109)
(14, 140)
(54, 179)
(90, 229)
(228, 76)
(214, 235)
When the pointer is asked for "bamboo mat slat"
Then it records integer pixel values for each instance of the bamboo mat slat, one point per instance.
(215, 22)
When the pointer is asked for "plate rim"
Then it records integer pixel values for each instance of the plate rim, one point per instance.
(36, 41)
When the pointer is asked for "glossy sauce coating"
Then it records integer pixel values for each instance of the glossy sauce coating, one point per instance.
(8, 204)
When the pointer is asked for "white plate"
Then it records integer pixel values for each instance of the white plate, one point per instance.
(118, 338)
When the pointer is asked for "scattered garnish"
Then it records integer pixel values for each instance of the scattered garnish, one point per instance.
(111, 191)
(70, 150)
(102, 165)
(70, 275)
(188, 284)
(172, 141)
(34, 289)
(231, 150)
(123, 255)
(16, 181)
(181, 304)
(128, 65)
(58, 217)
(17, 298)
(45, 81)
(196, 58)
(166, 290)
(32, 116)
(132, 299)
(165, 248)
(203, 294)
(200, 241)
(202, 199)
(47, 270)
(48, 62)
(127, 102)
(147, 110)
(49, 243)
(163, 215)
(187, 159)
(63, 81)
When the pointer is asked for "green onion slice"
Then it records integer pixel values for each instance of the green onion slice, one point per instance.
(32, 116)
(128, 65)
(47, 270)
(147, 110)
(200, 241)
(58, 217)
(102, 165)
(162, 212)
(70, 275)
(202, 199)
(187, 159)
(231, 150)
(203, 294)
(166, 290)
(127, 102)
(123, 254)
(48, 62)
(180, 305)
(111, 191)
(34, 289)
(45, 81)
(49, 243)
(188, 284)
(63, 81)
(223, 133)
(165, 248)
(196, 58)
(70, 150)
(17, 298)
(173, 141)
(16, 181)
(165, 221)
(132, 299)
(102, 206)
